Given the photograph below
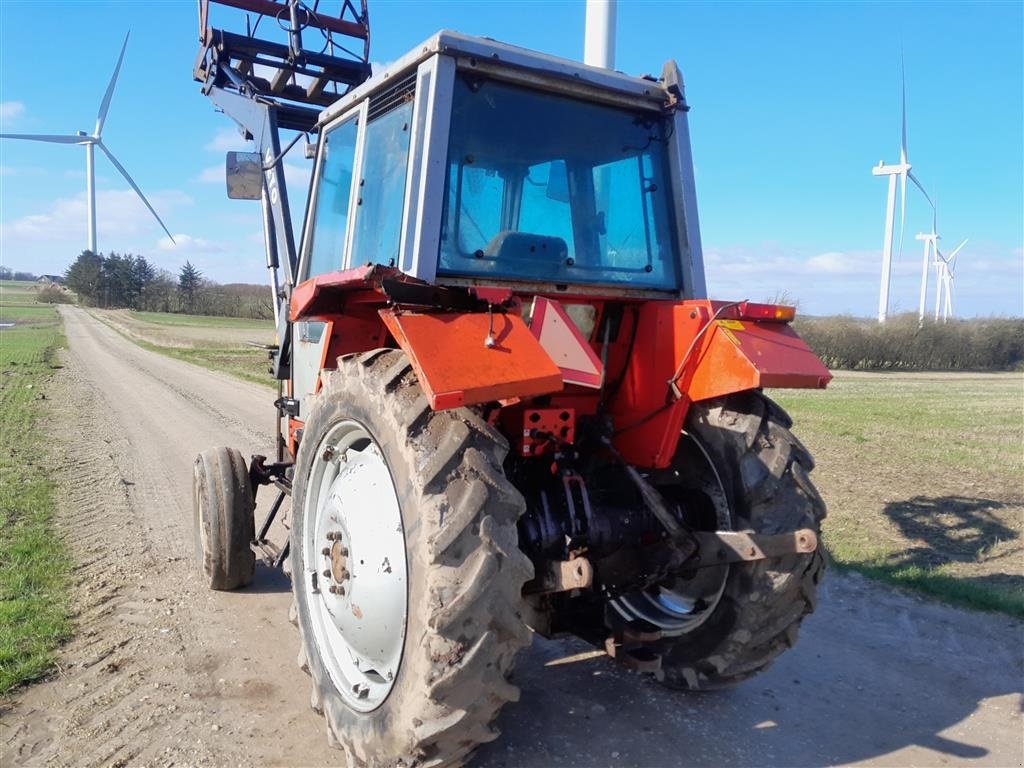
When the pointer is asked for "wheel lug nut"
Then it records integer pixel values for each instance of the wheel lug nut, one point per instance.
(327, 574)
(326, 551)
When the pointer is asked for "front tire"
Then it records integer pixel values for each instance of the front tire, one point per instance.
(460, 625)
(224, 526)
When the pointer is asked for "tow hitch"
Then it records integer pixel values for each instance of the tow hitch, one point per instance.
(718, 547)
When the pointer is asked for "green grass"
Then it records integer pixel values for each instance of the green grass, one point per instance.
(218, 351)
(247, 363)
(201, 321)
(922, 476)
(34, 581)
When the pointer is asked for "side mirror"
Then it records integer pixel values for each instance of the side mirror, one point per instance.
(244, 175)
(558, 182)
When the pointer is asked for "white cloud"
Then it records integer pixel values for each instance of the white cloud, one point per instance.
(119, 214)
(848, 281)
(837, 263)
(298, 177)
(11, 110)
(187, 244)
(228, 139)
(213, 174)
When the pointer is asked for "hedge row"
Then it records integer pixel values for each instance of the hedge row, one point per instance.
(848, 343)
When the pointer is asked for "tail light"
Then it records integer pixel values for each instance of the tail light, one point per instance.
(776, 313)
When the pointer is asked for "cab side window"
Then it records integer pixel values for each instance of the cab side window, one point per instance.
(381, 192)
(333, 192)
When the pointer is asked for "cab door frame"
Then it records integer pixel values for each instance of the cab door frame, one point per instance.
(309, 338)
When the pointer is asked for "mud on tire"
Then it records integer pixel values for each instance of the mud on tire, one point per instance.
(465, 570)
(223, 509)
(764, 470)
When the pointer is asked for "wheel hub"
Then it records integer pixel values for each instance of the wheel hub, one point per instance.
(339, 572)
(355, 561)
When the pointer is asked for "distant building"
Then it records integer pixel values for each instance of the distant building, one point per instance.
(50, 280)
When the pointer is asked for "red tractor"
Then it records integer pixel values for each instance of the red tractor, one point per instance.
(507, 405)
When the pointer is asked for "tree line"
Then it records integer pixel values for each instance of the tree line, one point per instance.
(124, 281)
(856, 344)
(6, 273)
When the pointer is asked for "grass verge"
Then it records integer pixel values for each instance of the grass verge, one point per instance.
(248, 364)
(922, 476)
(223, 344)
(34, 601)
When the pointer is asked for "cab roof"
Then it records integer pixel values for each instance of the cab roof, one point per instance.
(492, 53)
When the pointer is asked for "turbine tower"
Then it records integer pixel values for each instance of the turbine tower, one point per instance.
(91, 141)
(931, 257)
(901, 170)
(931, 248)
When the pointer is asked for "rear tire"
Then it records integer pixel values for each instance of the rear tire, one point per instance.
(465, 572)
(223, 508)
(764, 472)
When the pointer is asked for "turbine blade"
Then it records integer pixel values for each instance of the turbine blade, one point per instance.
(134, 186)
(951, 259)
(924, 192)
(101, 116)
(903, 102)
(47, 137)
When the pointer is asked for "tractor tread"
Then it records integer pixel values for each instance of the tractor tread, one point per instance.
(765, 601)
(468, 620)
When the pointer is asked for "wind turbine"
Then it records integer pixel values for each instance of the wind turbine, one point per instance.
(931, 258)
(901, 170)
(944, 266)
(90, 141)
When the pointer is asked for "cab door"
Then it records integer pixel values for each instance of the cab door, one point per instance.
(328, 235)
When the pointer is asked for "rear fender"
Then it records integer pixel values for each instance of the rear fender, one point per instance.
(692, 351)
(457, 365)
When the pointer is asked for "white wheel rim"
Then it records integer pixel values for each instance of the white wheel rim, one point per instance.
(356, 576)
(677, 606)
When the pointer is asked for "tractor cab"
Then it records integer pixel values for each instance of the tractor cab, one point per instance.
(471, 161)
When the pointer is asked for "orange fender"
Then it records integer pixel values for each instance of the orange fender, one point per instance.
(690, 351)
(456, 366)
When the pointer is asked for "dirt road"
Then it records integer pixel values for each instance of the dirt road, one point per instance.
(163, 672)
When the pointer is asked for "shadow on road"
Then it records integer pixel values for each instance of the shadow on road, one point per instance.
(267, 579)
(877, 676)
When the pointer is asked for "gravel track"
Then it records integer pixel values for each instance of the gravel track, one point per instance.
(163, 672)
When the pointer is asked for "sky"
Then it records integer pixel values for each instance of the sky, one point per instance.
(791, 106)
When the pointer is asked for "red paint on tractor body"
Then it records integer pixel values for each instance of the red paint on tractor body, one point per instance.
(455, 364)
(663, 356)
